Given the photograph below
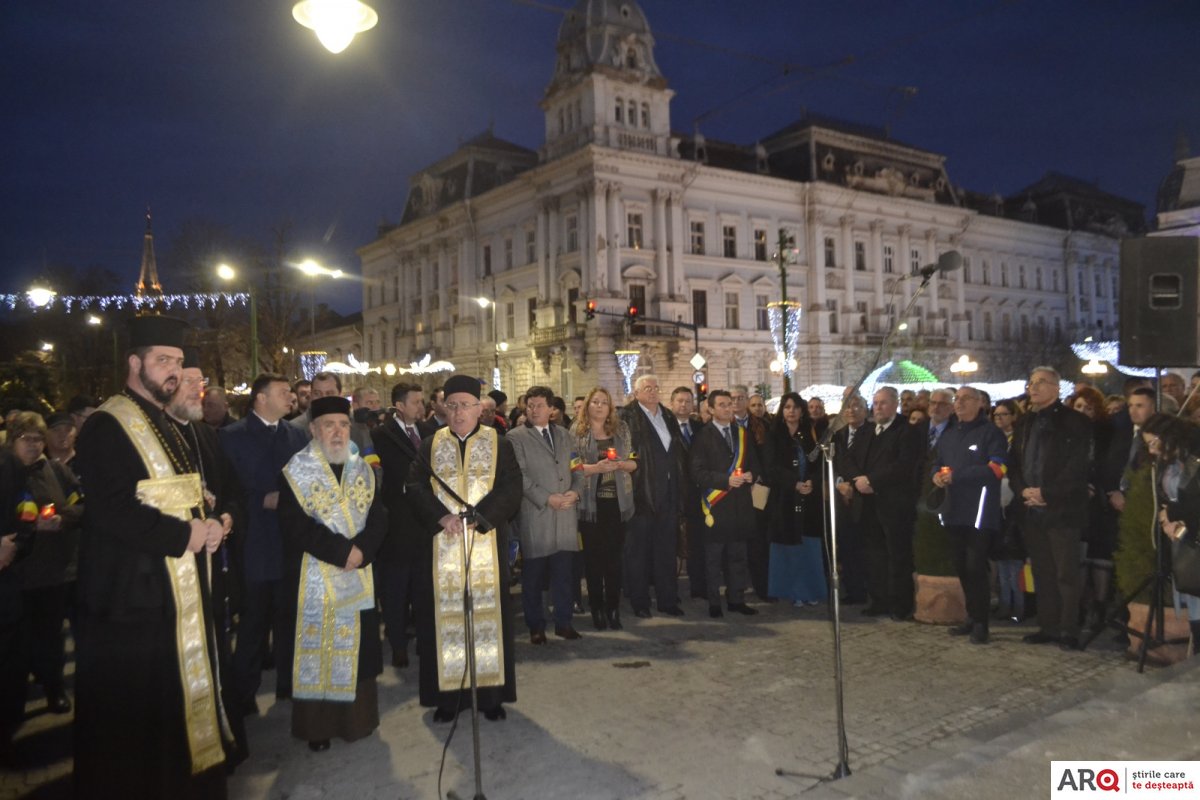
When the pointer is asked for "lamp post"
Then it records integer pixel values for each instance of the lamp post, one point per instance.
(964, 365)
(497, 345)
(314, 270)
(336, 22)
(785, 254)
(228, 273)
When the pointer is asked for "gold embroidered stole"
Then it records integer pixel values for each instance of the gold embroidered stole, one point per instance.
(177, 496)
(472, 477)
(328, 628)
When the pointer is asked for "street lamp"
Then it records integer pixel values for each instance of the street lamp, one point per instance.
(40, 296)
(47, 347)
(498, 346)
(228, 273)
(964, 365)
(314, 270)
(336, 22)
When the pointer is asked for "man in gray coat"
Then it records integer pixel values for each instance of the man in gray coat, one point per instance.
(547, 523)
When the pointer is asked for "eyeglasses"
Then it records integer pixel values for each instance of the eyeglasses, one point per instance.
(1040, 382)
(454, 408)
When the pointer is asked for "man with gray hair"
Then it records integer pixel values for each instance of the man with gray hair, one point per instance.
(1049, 467)
(659, 487)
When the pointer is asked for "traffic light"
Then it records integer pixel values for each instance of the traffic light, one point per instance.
(591, 310)
(632, 312)
(701, 392)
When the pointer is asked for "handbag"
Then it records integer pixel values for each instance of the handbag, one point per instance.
(759, 492)
(1185, 563)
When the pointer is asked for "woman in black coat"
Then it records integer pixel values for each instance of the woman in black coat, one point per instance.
(795, 517)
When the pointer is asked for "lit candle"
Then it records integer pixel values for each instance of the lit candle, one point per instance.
(48, 510)
(612, 454)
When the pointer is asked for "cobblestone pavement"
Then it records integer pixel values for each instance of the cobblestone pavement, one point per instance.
(698, 708)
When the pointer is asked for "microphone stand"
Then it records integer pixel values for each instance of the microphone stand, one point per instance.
(471, 519)
(842, 769)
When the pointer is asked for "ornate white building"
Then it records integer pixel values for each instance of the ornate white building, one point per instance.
(614, 208)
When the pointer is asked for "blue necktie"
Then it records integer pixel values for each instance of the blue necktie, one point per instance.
(546, 436)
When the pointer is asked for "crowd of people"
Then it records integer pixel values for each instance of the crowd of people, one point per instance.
(191, 550)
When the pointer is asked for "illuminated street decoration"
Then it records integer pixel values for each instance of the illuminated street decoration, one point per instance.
(784, 319)
(38, 299)
(1110, 351)
(312, 362)
(627, 362)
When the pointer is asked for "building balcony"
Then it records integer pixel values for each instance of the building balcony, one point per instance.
(555, 334)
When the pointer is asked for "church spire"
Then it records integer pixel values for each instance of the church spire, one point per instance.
(148, 280)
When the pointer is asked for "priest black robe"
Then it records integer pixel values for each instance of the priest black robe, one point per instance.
(130, 729)
(498, 507)
(314, 720)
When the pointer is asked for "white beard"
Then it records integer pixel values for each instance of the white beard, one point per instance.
(337, 455)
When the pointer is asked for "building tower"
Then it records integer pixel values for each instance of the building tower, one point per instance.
(148, 284)
(607, 88)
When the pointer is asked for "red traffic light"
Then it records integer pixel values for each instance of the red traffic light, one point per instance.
(633, 311)
(591, 309)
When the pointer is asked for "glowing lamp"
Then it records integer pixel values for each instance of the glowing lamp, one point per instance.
(336, 22)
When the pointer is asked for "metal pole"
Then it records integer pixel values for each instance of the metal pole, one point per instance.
(253, 334)
(781, 259)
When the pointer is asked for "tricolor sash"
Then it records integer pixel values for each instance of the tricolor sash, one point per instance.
(472, 477)
(328, 602)
(717, 495)
(179, 496)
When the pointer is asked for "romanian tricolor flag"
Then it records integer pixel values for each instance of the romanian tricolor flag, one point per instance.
(368, 455)
(996, 464)
(717, 495)
(576, 462)
(74, 499)
(27, 510)
(1025, 579)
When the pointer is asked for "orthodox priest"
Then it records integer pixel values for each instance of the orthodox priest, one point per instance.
(149, 721)
(332, 521)
(481, 468)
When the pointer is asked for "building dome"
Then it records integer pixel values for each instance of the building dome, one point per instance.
(608, 36)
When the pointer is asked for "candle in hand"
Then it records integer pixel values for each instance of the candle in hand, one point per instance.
(612, 454)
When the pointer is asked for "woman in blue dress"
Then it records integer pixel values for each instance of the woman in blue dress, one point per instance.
(794, 508)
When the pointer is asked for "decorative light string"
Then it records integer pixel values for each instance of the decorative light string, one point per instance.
(784, 320)
(627, 362)
(119, 302)
(312, 362)
(496, 379)
(1111, 352)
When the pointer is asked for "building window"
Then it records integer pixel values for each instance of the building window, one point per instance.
(830, 252)
(1057, 329)
(531, 306)
(637, 297)
(1005, 328)
(572, 309)
(700, 308)
(370, 347)
(1024, 327)
(889, 259)
(861, 308)
(1115, 291)
(967, 270)
(508, 253)
(633, 234)
(761, 315)
(860, 256)
(396, 288)
(987, 274)
(487, 260)
(970, 326)
(530, 246)
(632, 114)
(731, 310)
(987, 326)
(729, 240)
(453, 300)
(435, 301)
(1054, 277)
(489, 322)
(697, 229)
(760, 244)
(1003, 274)
(1021, 276)
(572, 233)
(1099, 285)
(831, 306)
(914, 261)
(645, 115)
(510, 321)
(619, 111)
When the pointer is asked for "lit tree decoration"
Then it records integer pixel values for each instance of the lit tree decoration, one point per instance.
(120, 302)
(627, 362)
(312, 362)
(496, 378)
(785, 333)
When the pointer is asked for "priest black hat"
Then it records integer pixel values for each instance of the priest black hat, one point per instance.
(191, 357)
(462, 383)
(329, 405)
(153, 330)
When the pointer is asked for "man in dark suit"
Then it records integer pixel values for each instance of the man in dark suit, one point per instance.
(683, 405)
(1049, 467)
(848, 443)
(259, 445)
(724, 465)
(887, 490)
(757, 548)
(397, 441)
(659, 488)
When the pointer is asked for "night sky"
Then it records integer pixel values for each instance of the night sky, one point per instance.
(230, 112)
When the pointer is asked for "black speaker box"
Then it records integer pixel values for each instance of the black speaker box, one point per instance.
(1160, 301)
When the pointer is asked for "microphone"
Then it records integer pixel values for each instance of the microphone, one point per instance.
(947, 262)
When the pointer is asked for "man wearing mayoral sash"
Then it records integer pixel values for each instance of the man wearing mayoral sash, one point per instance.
(149, 721)
(481, 468)
(332, 521)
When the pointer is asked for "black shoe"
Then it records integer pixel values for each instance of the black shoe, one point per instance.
(400, 659)
(962, 630)
(742, 608)
(642, 613)
(444, 715)
(537, 637)
(319, 746)
(979, 635)
(874, 611)
(598, 620)
(1069, 643)
(715, 611)
(1039, 637)
(250, 709)
(614, 620)
(58, 702)
(565, 632)
(495, 714)
(674, 611)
